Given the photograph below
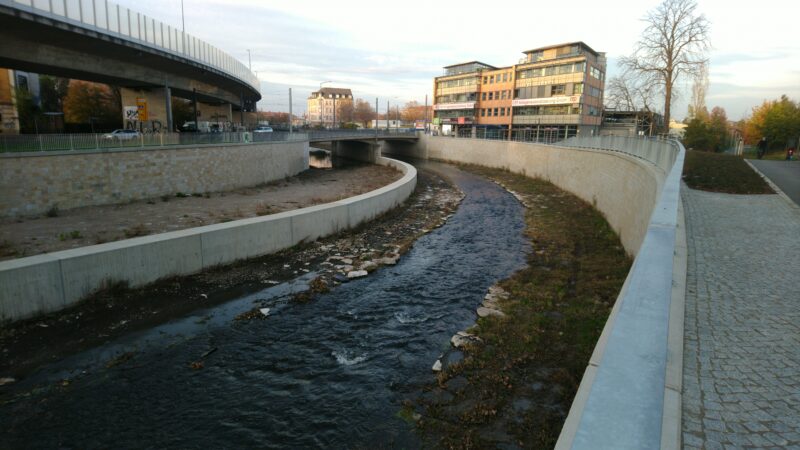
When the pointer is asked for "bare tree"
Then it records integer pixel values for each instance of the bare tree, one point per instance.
(699, 89)
(674, 43)
(630, 92)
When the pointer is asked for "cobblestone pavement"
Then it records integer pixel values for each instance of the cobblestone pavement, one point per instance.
(741, 376)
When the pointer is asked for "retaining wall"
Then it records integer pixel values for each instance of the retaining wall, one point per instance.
(32, 183)
(630, 394)
(623, 187)
(53, 281)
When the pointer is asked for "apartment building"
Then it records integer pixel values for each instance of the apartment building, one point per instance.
(322, 105)
(553, 93)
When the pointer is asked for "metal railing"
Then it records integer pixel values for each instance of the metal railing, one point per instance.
(110, 18)
(98, 141)
(23, 143)
(322, 135)
(527, 135)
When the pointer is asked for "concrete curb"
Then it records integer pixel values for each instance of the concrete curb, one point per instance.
(671, 423)
(50, 282)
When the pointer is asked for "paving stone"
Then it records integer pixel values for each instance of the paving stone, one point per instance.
(742, 322)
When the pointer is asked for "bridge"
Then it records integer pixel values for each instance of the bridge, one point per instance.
(100, 41)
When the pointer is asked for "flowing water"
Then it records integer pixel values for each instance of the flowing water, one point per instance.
(331, 373)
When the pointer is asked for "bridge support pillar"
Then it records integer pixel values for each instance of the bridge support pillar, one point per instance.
(146, 109)
(221, 113)
(356, 150)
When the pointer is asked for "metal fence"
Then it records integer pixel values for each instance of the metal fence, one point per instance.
(99, 141)
(500, 134)
(112, 19)
(105, 141)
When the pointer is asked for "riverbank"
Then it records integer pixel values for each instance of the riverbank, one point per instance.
(62, 230)
(27, 345)
(513, 386)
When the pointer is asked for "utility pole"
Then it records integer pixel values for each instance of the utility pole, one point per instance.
(333, 125)
(376, 119)
(194, 105)
(290, 111)
(249, 60)
(183, 30)
(387, 116)
(425, 112)
(168, 99)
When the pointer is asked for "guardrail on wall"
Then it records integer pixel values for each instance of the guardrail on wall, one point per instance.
(110, 18)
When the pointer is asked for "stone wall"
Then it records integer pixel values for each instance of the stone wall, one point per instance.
(30, 184)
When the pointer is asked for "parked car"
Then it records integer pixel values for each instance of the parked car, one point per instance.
(263, 129)
(122, 135)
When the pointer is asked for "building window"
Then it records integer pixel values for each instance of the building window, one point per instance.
(557, 89)
(483, 112)
(502, 111)
(491, 79)
(485, 79)
(483, 96)
(495, 112)
(577, 89)
(491, 95)
(596, 73)
(508, 111)
(22, 83)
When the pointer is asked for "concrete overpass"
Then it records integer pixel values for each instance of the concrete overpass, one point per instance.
(365, 145)
(97, 40)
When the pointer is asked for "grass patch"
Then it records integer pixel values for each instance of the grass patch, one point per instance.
(136, 230)
(718, 172)
(74, 234)
(521, 381)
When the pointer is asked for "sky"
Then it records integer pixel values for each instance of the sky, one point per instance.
(394, 50)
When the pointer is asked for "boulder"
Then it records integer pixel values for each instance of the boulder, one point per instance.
(437, 366)
(357, 274)
(486, 312)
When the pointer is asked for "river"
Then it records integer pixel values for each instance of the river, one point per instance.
(331, 373)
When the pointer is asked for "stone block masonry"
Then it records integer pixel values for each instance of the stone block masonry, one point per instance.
(31, 183)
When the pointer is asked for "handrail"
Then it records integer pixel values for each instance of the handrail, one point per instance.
(103, 16)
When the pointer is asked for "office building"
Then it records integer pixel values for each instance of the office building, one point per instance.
(553, 93)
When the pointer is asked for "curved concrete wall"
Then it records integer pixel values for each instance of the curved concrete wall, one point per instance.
(53, 281)
(623, 187)
(630, 394)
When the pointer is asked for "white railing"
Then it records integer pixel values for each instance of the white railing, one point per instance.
(110, 18)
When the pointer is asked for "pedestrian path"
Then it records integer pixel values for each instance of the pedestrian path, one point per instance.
(741, 377)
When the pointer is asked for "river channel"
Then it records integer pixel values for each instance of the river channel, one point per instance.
(330, 373)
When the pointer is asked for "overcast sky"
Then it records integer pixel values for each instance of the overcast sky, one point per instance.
(393, 52)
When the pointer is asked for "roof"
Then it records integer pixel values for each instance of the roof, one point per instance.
(334, 91)
(469, 62)
(581, 43)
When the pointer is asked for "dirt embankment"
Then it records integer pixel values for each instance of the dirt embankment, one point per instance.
(62, 230)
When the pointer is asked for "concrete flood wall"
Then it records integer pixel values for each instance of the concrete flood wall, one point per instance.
(630, 394)
(621, 186)
(53, 281)
(32, 183)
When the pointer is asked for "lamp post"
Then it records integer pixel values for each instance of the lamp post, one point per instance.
(249, 60)
(322, 103)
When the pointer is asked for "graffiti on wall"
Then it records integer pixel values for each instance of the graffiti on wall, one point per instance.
(145, 127)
